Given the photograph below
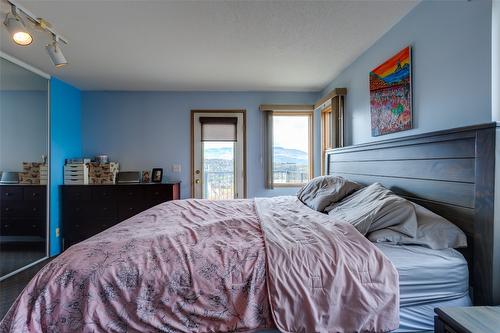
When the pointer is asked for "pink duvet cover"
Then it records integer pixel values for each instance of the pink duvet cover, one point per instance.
(214, 266)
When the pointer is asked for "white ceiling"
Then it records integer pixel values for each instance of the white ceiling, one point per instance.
(207, 45)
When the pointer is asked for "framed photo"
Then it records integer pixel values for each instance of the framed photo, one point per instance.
(157, 175)
(391, 95)
(146, 176)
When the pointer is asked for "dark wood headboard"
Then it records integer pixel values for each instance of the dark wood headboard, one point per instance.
(450, 172)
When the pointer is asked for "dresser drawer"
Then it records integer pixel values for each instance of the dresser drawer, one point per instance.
(11, 193)
(76, 193)
(130, 193)
(129, 209)
(33, 209)
(103, 193)
(77, 230)
(23, 228)
(100, 225)
(158, 193)
(103, 210)
(11, 209)
(34, 193)
(76, 209)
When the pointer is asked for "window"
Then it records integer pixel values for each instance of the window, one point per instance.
(326, 134)
(291, 148)
(331, 108)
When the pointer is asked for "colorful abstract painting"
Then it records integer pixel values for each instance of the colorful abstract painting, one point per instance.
(391, 95)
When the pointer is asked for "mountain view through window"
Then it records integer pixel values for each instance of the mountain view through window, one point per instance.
(218, 170)
(291, 149)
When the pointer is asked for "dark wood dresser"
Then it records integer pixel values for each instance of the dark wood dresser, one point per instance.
(90, 209)
(23, 210)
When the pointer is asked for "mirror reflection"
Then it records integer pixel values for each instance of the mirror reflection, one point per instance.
(23, 167)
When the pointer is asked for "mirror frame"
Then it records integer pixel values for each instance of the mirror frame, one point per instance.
(36, 71)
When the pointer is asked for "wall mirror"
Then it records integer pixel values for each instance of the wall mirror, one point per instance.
(24, 166)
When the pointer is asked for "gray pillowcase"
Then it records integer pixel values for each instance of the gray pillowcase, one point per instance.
(374, 208)
(325, 190)
(433, 231)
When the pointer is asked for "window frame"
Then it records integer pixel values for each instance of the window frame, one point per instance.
(326, 134)
(310, 153)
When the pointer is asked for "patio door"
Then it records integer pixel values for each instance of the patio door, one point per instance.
(218, 161)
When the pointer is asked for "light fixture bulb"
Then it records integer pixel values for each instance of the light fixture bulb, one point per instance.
(56, 55)
(22, 38)
(15, 26)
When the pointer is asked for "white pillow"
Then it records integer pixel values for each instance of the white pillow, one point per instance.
(433, 231)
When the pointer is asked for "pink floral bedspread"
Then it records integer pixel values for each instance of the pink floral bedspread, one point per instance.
(200, 266)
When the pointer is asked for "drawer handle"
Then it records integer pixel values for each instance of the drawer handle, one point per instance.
(7, 209)
(131, 208)
(7, 194)
(35, 195)
(105, 209)
(34, 209)
(33, 226)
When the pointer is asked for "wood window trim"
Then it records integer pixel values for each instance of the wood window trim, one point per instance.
(326, 134)
(331, 126)
(310, 115)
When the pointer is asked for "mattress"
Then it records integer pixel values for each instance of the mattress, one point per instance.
(427, 279)
(426, 275)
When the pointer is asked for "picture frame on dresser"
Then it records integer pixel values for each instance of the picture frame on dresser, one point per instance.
(157, 175)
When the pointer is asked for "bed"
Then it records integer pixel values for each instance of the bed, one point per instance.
(450, 172)
(241, 265)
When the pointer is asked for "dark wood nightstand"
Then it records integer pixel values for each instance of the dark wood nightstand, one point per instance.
(475, 319)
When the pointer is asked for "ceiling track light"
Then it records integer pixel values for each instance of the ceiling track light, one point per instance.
(55, 53)
(16, 27)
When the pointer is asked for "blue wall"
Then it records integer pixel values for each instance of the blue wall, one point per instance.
(451, 42)
(142, 130)
(65, 137)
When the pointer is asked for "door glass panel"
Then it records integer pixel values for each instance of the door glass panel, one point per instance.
(218, 170)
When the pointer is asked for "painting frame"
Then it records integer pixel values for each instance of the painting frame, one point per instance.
(391, 94)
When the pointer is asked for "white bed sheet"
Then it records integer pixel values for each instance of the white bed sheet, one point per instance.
(426, 275)
(427, 279)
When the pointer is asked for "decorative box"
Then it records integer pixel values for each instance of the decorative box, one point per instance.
(103, 173)
(29, 178)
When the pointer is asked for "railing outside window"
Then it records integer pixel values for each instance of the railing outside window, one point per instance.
(218, 185)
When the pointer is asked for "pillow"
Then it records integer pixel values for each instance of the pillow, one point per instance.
(322, 191)
(375, 207)
(433, 231)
